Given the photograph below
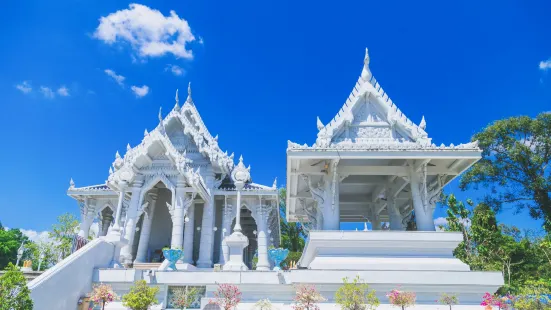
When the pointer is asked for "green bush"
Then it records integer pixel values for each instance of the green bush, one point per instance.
(356, 295)
(141, 296)
(14, 293)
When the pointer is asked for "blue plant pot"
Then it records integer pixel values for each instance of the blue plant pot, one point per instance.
(277, 256)
(172, 255)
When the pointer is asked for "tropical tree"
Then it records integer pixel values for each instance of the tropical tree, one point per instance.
(516, 153)
(356, 295)
(63, 232)
(227, 297)
(292, 234)
(141, 296)
(10, 241)
(14, 293)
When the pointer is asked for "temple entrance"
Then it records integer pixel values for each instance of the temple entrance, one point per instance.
(249, 229)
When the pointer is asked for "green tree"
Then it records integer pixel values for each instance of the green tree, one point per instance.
(36, 249)
(63, 232)
(516, 153)
(141, 296)
(292, 234)
(356, 295)
(10, 241)
(14, 293)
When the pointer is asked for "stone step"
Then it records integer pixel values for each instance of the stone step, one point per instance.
(147, 266)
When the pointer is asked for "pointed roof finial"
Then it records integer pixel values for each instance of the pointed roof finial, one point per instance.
(366, 72)
(72, 183)
(189, 100)
(177, 105)
(128, 147)
(110, 170)
(275, 183)
(216, 138)
(117, 155)
(240, 158)
(423, 123)
(320, 124)
(160, 114)
(145, 132)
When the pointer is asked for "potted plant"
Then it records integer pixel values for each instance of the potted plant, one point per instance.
(183, 298)
(227, 296)
(448, 300)
(141, 296)
(401, 299)
(356, 295)
(103, 294)
(307, 297)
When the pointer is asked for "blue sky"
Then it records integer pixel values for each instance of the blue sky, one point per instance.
(261, 72)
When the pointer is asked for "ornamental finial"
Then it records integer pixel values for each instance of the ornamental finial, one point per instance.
(177, 105)
(128, 147)
(189, 100)
(275, 183)
(71, 183)
(117, 155)
(232, 155)
(216, 138)
(366, 72)
(241, 158)
(145, 132)
(423, 123)
(319, 124)
(160, 114)
(110, 170)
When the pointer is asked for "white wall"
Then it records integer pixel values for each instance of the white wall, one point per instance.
(61, 286)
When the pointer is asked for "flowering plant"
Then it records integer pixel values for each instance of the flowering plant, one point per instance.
(227, 296)
(263, 304)
(501, 303)
(356, 295)
(307, 297)
(103, 294)
(184, 297)
(401, 299)
(449, 300)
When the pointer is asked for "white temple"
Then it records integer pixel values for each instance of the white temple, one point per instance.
(178, 189)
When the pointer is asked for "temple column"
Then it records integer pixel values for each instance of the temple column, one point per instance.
(145, 233)
(206, 246)
(226, 230)
(423, 214)
(178, 215)
(188, 234)
(262, 238)
(87, 214)
(105, 224)
(115, 230)
(131, 220)
(331, 206)
(395, 218)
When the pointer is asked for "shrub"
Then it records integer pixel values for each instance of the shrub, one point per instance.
(102, 295)
(292, 257)
(263, 304)
(307, 297)
(449, 300)
(141, 296)
(356, 295)
(14, 293)
(227, 296)
(184, 297)
(401, 299)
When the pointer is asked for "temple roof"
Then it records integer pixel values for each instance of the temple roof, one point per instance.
(228, 185)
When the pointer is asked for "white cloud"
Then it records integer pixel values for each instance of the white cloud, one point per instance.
(440, 221)
(147, 30)
(24, 87)
(36, 236)
(47, 92)
(118, 78)
(545, 65)
(63, 91)
(140, 91)
(176, 70)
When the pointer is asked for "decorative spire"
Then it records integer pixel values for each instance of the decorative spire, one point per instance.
(71, 183)
(241, 159)
(232, 155)
(128, 147)
(145, 133)
(160, 114)
(216, 138)
(366, 73)
(423, 123)
(117, 155)
(275, 183)
(177, 105)
(320, 124)
(110, 170)
(189, 100)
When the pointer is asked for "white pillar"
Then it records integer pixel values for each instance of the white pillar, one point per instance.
(178, 215)
(87, 217)
(131, 220)
(145, 232)
(331, 206)
(188, 235)
(395, 218)
(262, 238)
(116, 226)
(423, 214)
(225, 231)
(206, 245)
